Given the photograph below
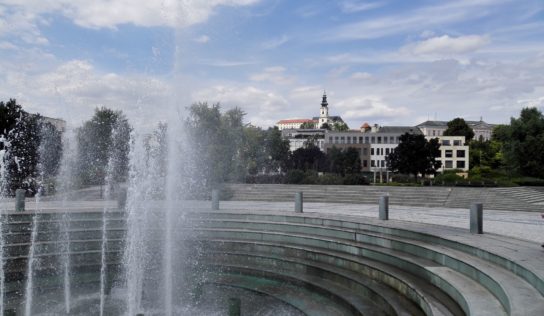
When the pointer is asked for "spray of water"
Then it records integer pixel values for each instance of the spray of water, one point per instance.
(3, 192)
(65, 185)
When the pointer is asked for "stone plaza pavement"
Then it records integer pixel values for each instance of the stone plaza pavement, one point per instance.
(522, 225)
(517, 224)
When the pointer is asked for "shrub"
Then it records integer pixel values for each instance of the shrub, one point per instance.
(355, 179)
(294, 176)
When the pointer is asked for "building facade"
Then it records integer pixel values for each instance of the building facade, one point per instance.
(300, 138)
(482, 130)
(454, 155)
(293, 123)
(347, 139)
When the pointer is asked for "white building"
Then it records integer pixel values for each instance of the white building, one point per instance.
(300, 138)
(482, 130)
(293, 123)
(454, 155)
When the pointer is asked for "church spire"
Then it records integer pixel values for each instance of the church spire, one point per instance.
(324, 103)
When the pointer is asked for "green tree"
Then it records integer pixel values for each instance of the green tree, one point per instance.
(308, 158)
(32, 148)
(344, 162)
(486, 154)
(277, 150)
(307, 125)
(524, 143)
(340, 127)
(458, 127)
(105, 136)
(415, 155)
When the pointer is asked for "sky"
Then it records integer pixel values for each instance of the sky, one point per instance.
(386, 62)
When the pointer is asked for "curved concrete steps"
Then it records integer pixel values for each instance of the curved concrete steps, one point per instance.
(479, 282)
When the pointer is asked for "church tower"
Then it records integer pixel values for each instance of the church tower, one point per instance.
(324, 111)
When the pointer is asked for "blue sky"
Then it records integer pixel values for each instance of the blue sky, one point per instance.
(381, 61)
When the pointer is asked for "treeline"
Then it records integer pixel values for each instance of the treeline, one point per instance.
(30, 149)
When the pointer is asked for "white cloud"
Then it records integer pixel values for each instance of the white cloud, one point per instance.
(369, 108)
(275, 42)
(416, 20)
(8, 46)
(202, 39)
(358, 6)
(263, 107)
(360, 76)
(110, 13)
(275, 75)
(72, 90)
(22, 19)
(448, 45)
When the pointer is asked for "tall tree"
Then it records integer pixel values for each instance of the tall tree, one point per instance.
(106, 135)
(415, 155)
(32, 148)
(458, 127)
(308, 158)
(524, 144)
(307, 125)
(277, 150)
(344, 162)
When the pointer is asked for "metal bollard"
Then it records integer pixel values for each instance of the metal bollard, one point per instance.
(215, 199)
(299, 201)
(384, 208)
(476, 218)
(20, 200)
(235, 306)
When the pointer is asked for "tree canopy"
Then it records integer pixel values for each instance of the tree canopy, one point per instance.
(31, 148)
(458, 127)
(523, 143)
(415, 155)
(105, 136)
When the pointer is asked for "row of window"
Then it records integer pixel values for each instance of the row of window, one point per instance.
(364, 140)
(456, 142)
(448, 153)
(381, 151)
(460, 164)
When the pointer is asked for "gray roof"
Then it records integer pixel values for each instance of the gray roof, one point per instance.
(399, 129)
(434, 123)
(479, 124)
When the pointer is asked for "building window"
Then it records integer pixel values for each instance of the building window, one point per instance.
(373, 140)
(372, 163)
(398, 139)
(385, 139)
(379, 139)
(366, 140)
(387, 151)
(449, 164)
(460, 164)
(448, 153)
(365, 163)
(342, 140)
(461, 153)
(392, 139)
(330, 139)
(336, 140)
(365, 151)
(456, 142)
(383, 163)
(372, 151)
(446, 142)
(434, 132)
(360, 140)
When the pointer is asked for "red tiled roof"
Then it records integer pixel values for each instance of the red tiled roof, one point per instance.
(365, 125)
(296, 121)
